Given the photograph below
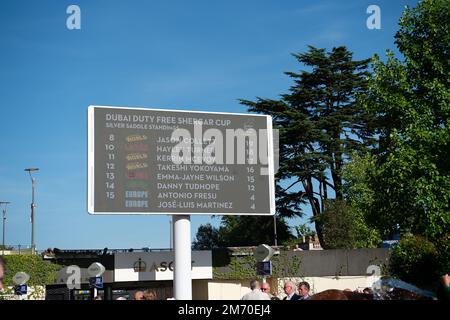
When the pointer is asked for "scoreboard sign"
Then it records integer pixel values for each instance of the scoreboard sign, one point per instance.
(149, 161)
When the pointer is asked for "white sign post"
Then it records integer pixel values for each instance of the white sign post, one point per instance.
(95, 270)
(149, 161)
(182, 280)
(263, 253)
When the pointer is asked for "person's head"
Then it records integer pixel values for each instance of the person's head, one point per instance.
(149, 294)
(303, 289)
(445, 279)
(441, 293)
(254, 285)
(289, 288)
(265, 287)
(367, 290)
(1, 272)
(139, 295)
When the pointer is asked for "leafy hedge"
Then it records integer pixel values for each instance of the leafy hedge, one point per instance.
(415, 260)
(244, 267)
(41, 272)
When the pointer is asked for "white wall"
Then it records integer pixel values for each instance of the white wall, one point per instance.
(234, 290)
(227, 290)
(319, 284)
(157, 266)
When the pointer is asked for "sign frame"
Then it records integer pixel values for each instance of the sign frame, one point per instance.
(91, 162)
(21, 290)
(260, 268)
(259, 258)
(96, 282)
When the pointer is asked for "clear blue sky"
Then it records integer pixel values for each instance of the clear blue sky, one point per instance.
(193, 55)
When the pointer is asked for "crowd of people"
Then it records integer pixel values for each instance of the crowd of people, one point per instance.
(148, 294)
(262, 291)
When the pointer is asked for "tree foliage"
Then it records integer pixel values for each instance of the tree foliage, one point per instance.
(325, 136)
(41, 272)
(252, 231)
(303, 230)
(320, 123)
(207, 238)
(359, 198)
(410, 101)
(345, 228)
(414, 260)
(235, 231)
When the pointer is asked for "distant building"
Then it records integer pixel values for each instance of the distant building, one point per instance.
(139, 269)
(310, 243)
(126, 271)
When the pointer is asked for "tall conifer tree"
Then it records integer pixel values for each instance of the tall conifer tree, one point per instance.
(320, 124)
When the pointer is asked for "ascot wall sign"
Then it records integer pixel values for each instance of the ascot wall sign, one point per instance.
(148, 266)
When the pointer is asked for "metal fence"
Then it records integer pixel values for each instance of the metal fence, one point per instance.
(15, 249)
(26, 249)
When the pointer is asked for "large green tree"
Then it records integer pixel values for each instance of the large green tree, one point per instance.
(344, 222)
(207, 238)
(252, 231)
(359, 196)
(236, 231)
(410, 99)
(320, 123)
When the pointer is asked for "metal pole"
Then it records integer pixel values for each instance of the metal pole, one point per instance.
(4, 230)
(33, 205)
(170, 230)
(275, 229)
(4, 224)
(33, 245)
(182, 280)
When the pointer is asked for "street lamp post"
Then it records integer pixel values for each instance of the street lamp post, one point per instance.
(33, 205)
(275, 236)
(4, 224)
(275, 229)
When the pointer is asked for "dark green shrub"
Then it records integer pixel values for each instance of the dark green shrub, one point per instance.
(41, 272)
(414, 260)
